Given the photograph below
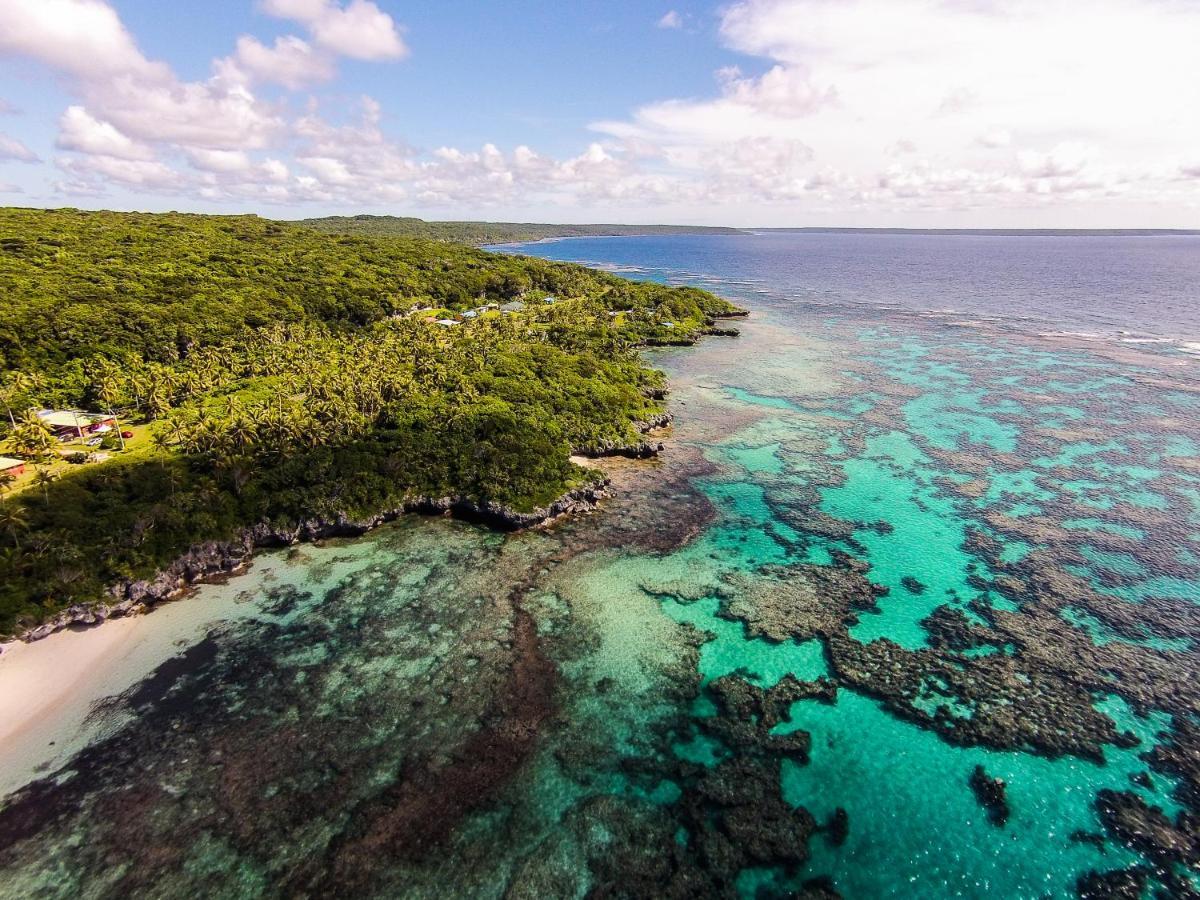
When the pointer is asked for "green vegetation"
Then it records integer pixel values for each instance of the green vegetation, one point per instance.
(273, 373)
(479, 233)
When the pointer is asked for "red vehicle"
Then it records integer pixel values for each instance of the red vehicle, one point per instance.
(127, 434)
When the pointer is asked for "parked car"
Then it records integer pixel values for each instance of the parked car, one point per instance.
(127, 434)
(95, 442)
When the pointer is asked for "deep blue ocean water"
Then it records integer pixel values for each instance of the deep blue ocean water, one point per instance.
(1104, 284)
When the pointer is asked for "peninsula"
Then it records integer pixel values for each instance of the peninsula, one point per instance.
(482, 233)
(177, 389)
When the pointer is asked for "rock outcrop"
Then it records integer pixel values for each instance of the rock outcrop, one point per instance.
(638, 450)
(215, 559)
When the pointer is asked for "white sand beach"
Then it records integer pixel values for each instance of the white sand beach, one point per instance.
(49, 688)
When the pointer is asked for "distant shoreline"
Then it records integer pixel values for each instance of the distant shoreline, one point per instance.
(992, 232)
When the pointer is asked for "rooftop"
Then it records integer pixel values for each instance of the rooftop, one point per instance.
(66, 418)
(7, 462)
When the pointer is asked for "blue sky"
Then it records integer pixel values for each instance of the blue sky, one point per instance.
(925, 113)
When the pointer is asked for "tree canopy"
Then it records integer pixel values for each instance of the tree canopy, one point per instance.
(284, 374)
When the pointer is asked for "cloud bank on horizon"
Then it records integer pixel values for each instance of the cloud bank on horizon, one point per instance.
(884, 112)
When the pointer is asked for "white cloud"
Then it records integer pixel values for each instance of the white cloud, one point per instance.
(995, 138)
(360, 30)
(140, 99)
(846, 77)
(11, 148)
(843, 107)
(957, 100)
(135, 173)
(291, 62)
(784, 92)
(1063, 160)
(79, 130)
(220, 161)
(82, 37)
(671, 19)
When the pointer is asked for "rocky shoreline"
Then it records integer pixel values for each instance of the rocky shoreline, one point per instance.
(639, 450)
(217, 559)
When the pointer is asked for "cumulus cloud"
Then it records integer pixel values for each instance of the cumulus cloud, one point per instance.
(995, 138)
(138, 98)
(11, 148)
(671, 19)
(135, 173)
(291, 62)
(79, 130)
(1013, 104)
(845, 77)
(82, 37)
(360, 29)
(781, 91)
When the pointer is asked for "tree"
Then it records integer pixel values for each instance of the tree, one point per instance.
(107, 382)
(14, 519)
(162, 440)
(32, 437)
(43, 479)
(15, 390)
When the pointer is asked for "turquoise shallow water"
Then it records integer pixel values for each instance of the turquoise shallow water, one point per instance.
(883, 550)
(1034, 445)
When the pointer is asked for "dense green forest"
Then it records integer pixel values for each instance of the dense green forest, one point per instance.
(270, 372)
(479, 233)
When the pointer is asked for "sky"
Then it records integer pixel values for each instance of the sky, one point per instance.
(887, 113)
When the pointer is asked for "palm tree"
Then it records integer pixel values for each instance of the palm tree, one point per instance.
(32, 436)
(161, 440)
(10, 394)
(44, 478)
(107, 390)
(241, 432)
(14, 519)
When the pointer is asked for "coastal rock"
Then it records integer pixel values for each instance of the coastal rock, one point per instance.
(992, 794)
(663, 420)
(1145, 829)
(742, 819)
(216, 559)
(1117, 884)
(635, 450)
(837, 829)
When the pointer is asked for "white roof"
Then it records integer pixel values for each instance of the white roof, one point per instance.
(7, 462)
(65, 418)
(448, 322)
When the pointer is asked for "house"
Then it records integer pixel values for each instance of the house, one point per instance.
(10, 466)
(75, 423)
(447, 322)
(514, 306)
(469, 314)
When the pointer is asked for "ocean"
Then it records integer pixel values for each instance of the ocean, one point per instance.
(908, 608)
